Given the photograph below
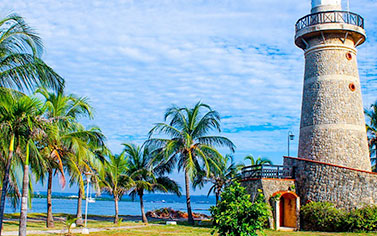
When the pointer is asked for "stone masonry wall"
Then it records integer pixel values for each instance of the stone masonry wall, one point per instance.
(271, 186)
(345, 187)
(332, 126)
(268, 186)
(252, 187)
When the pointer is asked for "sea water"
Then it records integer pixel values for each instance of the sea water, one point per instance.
(105, 204)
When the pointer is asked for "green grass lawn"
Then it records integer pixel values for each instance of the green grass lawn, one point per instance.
(37, 222)
(191, 231)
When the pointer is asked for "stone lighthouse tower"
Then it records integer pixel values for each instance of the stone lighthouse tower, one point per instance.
(333, 158)
(332, 128)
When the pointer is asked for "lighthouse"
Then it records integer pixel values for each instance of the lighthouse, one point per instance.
(333, 162)
(332, 128)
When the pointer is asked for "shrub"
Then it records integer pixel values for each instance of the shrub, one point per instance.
(322, 216)
(364, 219)
(236, 215)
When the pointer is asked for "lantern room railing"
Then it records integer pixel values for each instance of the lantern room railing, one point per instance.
(330, 17)
(267, 171)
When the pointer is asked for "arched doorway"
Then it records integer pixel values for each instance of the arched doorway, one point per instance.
(286, 210)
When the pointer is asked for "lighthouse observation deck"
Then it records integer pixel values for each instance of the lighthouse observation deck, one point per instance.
(327, 17)
(338, 21)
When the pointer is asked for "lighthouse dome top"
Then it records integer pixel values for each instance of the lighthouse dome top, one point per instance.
(326, 5)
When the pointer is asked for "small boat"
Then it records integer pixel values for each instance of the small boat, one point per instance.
(91, 200)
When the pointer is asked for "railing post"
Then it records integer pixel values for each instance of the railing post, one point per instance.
(320, 18)
(348, 18)
(277, 172)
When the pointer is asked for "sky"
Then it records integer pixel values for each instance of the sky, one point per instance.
(135, 58)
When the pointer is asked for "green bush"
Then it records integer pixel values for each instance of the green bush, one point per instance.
(236, 215)
(364, 219)
(324, 216)
(321, 216)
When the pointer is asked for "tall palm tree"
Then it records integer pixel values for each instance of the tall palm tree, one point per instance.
(62, 110)
(371, 115)
(82, 146)
(189, 144)
(144, 170)
(219, 176)
(31, 157)
(53, 153)
(258, 161)
(20, 67)
(20, 119)
(10, 123)
(115, 179)
(33, 161)
(20, 57)
(13, 192)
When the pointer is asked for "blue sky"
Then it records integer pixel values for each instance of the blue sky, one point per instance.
(134, 58)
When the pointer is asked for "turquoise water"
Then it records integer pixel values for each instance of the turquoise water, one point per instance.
(200, 204)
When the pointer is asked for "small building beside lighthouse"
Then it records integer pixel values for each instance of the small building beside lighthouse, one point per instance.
(333, 163)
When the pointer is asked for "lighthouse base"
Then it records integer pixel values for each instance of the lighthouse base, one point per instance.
(322, 182)
(310, 180)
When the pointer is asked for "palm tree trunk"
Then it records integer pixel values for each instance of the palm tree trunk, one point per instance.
(5, 188)
(25, 191)
(218, 193)
(145, 220)
(188, 198)
(50, 218)
(116, 218)
(79, 221)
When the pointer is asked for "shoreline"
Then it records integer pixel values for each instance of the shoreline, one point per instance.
(70, 196)
(60, 217)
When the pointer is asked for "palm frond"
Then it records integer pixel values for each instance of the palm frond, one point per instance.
(217, 141)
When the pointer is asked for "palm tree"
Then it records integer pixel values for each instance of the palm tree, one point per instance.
(13, 192)
(257, 162)
(372, 133)
(61, 111)
(9, 125)
(20, 119)
(219, 176)
(189, 144)
(82, 158)
(20, 52)
(115, 179)
(20, 67)
(53, 152)
(32, 157)
(143, 169)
